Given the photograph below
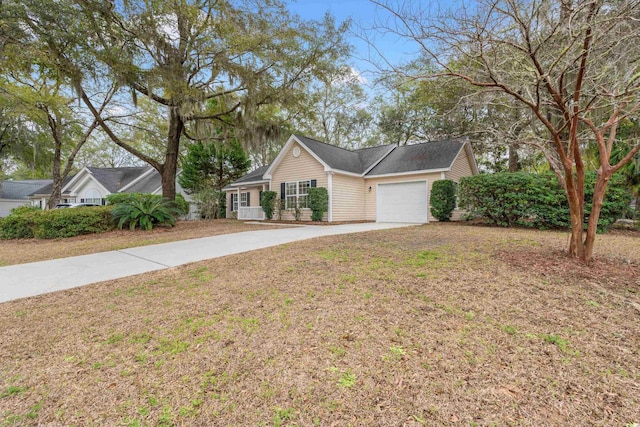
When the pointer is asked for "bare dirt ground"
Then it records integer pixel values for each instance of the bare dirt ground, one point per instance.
(30, 250)
(430, 325)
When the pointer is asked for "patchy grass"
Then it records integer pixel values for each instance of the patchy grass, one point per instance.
(431, 325)
(31, 250)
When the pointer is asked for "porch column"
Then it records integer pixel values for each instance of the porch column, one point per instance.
(330, 191)
(238, 199)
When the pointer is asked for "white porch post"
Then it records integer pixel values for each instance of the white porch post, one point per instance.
(330, 191)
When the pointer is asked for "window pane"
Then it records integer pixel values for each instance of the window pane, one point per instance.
(290, 202)
(291, 188)
(303, 202)
(303, 186)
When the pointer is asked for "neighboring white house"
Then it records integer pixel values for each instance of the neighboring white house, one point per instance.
(14, 194)
(90, 185)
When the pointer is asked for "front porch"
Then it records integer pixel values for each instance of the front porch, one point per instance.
(251, 213)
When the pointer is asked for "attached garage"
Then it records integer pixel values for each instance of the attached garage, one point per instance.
(402, 202)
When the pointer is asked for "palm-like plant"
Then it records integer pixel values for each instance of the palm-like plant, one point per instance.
(145, 213)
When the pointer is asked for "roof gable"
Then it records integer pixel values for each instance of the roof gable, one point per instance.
(113, 179)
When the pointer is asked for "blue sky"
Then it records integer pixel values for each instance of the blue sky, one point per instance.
(364, 15)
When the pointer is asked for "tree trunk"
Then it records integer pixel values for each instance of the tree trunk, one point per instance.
(170, 166)
(514, 158)
(596, 206)
(56, 192)
(576, 245)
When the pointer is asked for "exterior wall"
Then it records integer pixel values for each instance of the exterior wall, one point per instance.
(86, 187)
(7, 204)
(348, 203)
(303, 167)
(461, 167)
(370, 196)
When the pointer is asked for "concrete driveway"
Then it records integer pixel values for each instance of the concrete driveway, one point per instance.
(27, 280)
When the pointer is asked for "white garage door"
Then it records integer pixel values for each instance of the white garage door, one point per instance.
(7, 205)
(402, 202)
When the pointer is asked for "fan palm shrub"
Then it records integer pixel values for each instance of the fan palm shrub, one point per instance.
(145, 213)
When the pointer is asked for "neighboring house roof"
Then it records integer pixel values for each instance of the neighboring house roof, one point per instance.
(17, 190)
(147, 184)
(46, 190)
(114, 179)
(139, 179)
(418, 157)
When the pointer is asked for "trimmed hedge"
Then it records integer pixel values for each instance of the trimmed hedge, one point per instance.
(20, 224)
(535, 200)
(56, 223)
(318, 202)
(119, 198)
(443, 199)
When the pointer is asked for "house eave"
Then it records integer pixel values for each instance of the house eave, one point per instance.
(242, 184)
(416, 172)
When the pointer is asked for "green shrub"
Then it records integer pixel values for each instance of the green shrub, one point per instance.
(266, 201)
(443, 199)
(145, 213)
(58, 223)
(211, 203)
(25, 209)
(535, 200)
(180, 203)
(20, 224)
(318, 202)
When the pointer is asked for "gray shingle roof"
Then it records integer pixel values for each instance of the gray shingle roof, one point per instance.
(356, 161)
(18, 190)
(425, 156)
(47, 188)
(256, 175)
(113, 179)
(393, 159)
(148, 184)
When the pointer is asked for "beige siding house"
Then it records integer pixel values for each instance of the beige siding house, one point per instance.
(386, 183)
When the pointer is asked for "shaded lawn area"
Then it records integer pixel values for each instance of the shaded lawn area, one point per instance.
(31, 250)
(430, 325)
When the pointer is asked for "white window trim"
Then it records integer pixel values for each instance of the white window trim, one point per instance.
(238, 201)
(297, 194)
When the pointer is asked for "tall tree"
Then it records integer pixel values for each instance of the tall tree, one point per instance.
(420, 110)
(572, 63)
(180, 54)
(212, 165)
(337, 110)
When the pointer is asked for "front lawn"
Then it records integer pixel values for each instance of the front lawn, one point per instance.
(429, 325)
(31, 250)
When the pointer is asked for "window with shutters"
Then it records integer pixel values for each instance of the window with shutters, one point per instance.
(244, 201)
(297, 192)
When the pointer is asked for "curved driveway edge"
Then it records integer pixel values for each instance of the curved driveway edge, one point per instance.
(37, 278)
